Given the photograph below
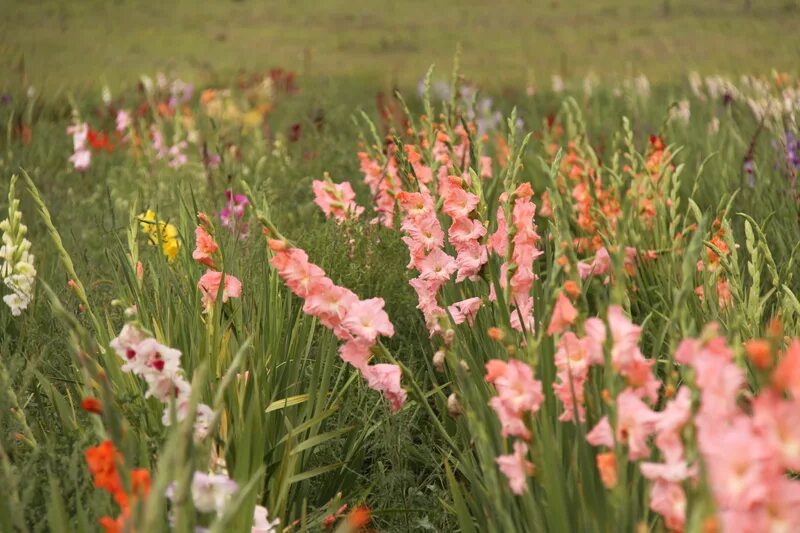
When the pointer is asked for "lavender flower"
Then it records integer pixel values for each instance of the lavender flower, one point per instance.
(233, 212)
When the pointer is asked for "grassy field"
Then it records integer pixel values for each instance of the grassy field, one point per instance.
(505, 44)
(653, 228)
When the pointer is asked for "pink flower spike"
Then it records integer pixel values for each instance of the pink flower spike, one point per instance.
(209, 286)
(366, 319)
(601, 434)
(386, 378)
(465, 310)
(205, 247)
(516, 468)
(564, 315)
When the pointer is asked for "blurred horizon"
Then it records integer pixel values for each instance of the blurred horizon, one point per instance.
(58, 46)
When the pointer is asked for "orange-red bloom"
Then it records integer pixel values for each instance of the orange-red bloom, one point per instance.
(91, 405)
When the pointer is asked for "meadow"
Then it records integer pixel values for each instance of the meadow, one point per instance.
(265, 269)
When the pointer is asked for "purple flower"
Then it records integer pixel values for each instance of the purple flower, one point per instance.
(727, 97)
(233, 212)
(749, 170)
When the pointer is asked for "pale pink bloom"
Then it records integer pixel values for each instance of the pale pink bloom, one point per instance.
(740, 465)
(79, 133)
(522, 313)
(465, 310)
(123, 121)
(677, 413)
(625, 335)
(635, 423)
(262, 523)
(366, 319)
(595, 339)
(601, 434)
(464, 230)
(486, 166)
(127, 340)
(669, 500)
(416, 204)
(564, 315)
(437, 266)
(330, 304)
(81, 159)
(211, 492)
(570, 392)
(516, 468)
(202, 422)
(209, 285)
(336, 199)
(573, 358)
(177, 156)
(600, 265)
(458, 202)
(424, 232)
(640, 377)
(498, 241)
(386, 378)
(471, 257)
(205, 247)
(166, 386)
(778, 420)
(512, 422)
(159, 144)
(672, 472)
(517, 393)
(150, 356)
(356, 353)
(299, 275)
(781, 513)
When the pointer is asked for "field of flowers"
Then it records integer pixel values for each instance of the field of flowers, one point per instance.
(264, 306)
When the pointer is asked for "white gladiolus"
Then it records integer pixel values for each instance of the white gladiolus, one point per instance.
(16, 262)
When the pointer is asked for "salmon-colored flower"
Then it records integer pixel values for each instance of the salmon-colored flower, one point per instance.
(205, 247)
(209, 285)
(607, 466)
(564, 315)
(91, 405)
(516, 468)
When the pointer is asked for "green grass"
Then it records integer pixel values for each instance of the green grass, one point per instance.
(345, 53)
(54, 45)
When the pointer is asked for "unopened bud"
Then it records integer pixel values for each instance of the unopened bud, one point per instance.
(438, 360)
(454, 406)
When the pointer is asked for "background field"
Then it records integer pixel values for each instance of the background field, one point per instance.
(58, 45)
(348, 54)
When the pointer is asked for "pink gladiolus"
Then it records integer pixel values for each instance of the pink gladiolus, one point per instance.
(635, 423)
(357, 322)
(205, 247)
(516, 468)
(209, 285)
(601, 434)
(366, 320)
(517, 393)
(564, 315)
(386, 378)
(336, 199)
(465, 310)
(599, 266)
(437, 266)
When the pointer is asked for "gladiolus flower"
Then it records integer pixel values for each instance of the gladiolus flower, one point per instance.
(205, 247)
(564, 315)
(91, 405)
(607, 466)
(516, 468)
(209, 286)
